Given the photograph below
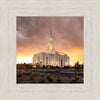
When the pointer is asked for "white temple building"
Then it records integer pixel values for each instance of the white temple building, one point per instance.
(51, 57)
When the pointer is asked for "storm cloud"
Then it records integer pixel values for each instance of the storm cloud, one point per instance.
(33, 33)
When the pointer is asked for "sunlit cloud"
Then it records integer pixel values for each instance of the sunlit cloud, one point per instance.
(33, 34)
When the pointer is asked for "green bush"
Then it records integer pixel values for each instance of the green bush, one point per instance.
(42, 75)
(49, 79)
(18, 80)
(33, 82)
(28, 73)
(42, 81)
(19, 75)
(67, 67)
(59, 81)
(73, 81)
(48, 75)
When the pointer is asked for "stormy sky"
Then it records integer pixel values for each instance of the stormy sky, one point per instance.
(33, 34)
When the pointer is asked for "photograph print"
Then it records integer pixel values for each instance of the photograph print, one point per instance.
(49, 49)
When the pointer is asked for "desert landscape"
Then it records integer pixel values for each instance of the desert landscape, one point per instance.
(27, 74)
(50, 49)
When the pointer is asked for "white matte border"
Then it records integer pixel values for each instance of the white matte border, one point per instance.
(9, 90)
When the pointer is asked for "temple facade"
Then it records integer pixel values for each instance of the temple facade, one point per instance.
(51, 57)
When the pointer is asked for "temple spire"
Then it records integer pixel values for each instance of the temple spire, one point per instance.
(50, 32)
(50, 46)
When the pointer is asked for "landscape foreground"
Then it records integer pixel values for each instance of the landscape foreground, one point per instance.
(27, 74)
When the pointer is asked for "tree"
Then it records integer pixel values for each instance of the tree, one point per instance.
(82, 66)
(67, 67)
(77, 69)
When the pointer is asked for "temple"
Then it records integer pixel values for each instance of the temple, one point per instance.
(51, 57)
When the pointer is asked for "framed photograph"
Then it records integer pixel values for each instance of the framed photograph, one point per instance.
(49, 50)
(50, 55)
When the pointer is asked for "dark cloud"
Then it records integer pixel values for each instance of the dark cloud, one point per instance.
(33, 32)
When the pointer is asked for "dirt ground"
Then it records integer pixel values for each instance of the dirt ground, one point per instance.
(38, 76)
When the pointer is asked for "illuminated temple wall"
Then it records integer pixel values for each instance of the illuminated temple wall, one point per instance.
(53, 59)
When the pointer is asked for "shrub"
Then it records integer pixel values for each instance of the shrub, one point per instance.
(35, 74)
(33, 82)
(42, 75)
(67, 67)
(19, 75)
(57, 67)
(59, 81)
(73, 81)
(49, 79)
(42, 81)
(31, 78)
(48, 74)
(77, 78)
(28, 73)
(24, 73)
(18, 80)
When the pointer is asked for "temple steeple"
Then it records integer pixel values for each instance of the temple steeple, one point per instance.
(50, 46)
(50, 32)
(50, 37)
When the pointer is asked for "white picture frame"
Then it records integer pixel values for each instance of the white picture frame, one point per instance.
(9, 89)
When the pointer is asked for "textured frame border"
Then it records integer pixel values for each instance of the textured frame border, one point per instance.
(9, 90)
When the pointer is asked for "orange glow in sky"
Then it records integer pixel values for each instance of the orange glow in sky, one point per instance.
(75, 55)
(33, 35)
